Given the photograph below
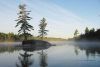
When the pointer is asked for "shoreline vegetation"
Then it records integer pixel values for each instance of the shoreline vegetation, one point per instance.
(11, 37)
(88, 35)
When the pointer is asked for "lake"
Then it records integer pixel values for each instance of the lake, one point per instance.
(64, 54)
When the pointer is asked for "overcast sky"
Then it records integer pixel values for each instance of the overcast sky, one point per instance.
(63, 16)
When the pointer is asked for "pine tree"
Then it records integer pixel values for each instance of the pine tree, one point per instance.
(22, 21)
(76, 33)
(87, 30)
(42, 30)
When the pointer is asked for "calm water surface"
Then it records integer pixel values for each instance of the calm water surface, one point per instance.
(65, 54)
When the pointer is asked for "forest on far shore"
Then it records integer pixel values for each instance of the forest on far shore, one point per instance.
(91, 34)
(15, 37)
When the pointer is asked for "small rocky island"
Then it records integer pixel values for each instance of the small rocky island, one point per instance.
(36, 42)
(31, 45)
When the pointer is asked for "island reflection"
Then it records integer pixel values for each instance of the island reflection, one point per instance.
(33, 56)
(26, 60)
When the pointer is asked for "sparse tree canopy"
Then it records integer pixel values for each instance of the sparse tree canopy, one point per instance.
(22, 21)
(92, 30)
(76, 33)
(86, 30)
(42, 30)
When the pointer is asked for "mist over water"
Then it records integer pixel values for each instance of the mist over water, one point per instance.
(63, 54)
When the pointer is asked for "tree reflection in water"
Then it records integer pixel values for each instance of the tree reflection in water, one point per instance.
(25, 60)
(76, 51)
(90, 49)
(43, 59)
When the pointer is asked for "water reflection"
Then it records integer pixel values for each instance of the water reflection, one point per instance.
(9, 49)
(87, 54)
(76, 51)
(90, 49)
(25, 60)
(43, 59)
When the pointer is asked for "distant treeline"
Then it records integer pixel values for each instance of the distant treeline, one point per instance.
(8, 37)
(12, 37)
(91, 34)
(15, 37)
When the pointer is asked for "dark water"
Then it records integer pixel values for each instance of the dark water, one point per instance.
(65, 54)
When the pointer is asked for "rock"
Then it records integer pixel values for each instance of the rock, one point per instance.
(36, 42)
(32, 45)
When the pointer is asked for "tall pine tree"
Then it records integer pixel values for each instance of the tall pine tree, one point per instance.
(42, 30)
(22, 21)
(76, 33)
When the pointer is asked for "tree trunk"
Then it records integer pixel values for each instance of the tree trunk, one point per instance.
(42, 36)
(25, 35)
